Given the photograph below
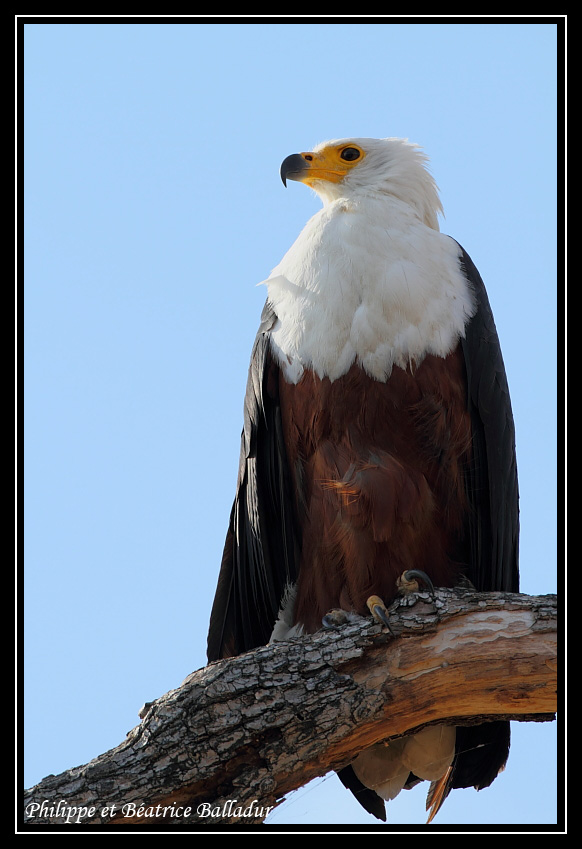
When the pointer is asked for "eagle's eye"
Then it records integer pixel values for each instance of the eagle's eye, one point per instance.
(350, 153)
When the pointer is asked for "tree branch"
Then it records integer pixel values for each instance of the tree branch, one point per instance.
(241, 733)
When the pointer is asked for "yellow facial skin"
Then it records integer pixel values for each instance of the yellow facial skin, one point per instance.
(330, 164)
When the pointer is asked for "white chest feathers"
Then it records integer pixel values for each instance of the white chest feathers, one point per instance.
(368, 283)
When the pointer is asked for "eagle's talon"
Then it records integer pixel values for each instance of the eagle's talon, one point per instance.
(379, 611)
(334, 618)
(409, 582)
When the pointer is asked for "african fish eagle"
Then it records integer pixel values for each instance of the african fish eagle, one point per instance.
(378, 439)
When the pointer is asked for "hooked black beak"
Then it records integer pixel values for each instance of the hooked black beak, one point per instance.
(293, 168)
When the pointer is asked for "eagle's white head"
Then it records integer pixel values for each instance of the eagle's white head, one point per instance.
(353, 168)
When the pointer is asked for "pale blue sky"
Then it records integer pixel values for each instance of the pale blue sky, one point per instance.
(153, 206)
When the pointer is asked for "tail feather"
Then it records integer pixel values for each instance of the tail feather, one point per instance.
(367, 798)
(437, 793)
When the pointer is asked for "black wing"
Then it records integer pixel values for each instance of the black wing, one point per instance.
(491, 480)
(260, 553)
(492, 491)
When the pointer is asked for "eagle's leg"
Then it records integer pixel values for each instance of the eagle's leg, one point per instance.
(379, 612)
(409, 582)
(334, 618)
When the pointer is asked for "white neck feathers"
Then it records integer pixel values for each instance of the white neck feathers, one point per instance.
(367, 281)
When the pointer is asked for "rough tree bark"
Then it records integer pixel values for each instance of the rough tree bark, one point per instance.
(255, 727)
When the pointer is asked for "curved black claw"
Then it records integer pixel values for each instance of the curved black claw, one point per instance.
(409, 582)
(334, 618)
(378, 610)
